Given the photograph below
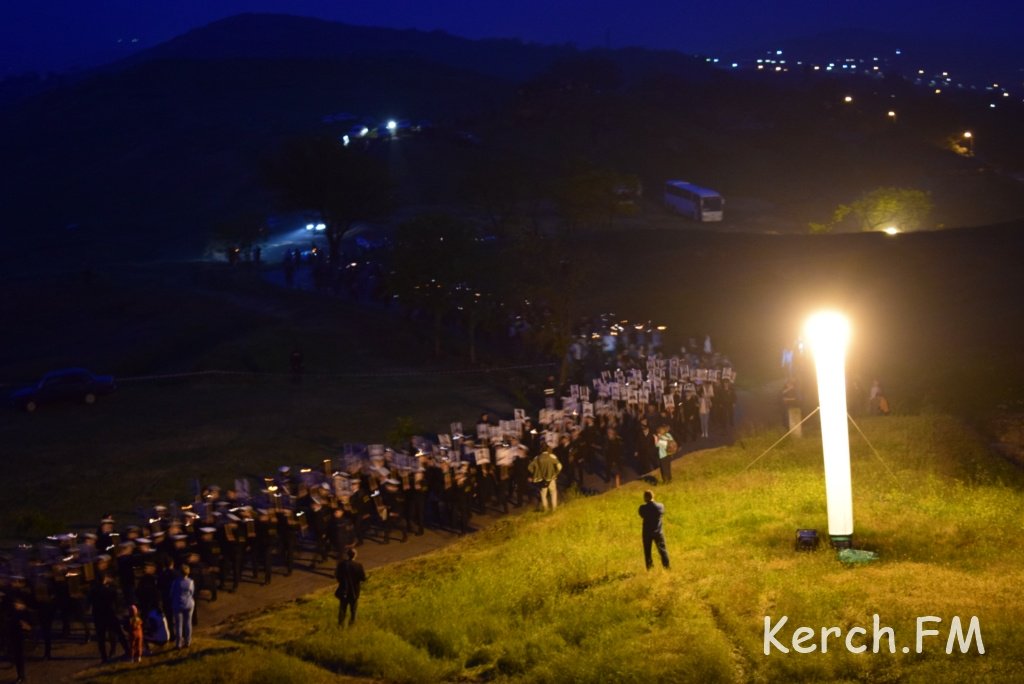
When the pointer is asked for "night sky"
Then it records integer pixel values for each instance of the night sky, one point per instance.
(58, 34)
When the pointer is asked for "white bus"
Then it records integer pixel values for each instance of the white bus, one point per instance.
(694, 201)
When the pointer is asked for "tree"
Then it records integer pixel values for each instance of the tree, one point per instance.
(554, 270)
(243, 231)
(590, 194)
(506, 191)
(343, 184)
(906, 209)
(436, 264)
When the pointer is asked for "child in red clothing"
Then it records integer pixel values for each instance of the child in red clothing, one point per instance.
(135, 634)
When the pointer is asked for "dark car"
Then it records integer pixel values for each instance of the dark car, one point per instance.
(68, 384)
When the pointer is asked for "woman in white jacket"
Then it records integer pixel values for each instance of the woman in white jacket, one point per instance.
(704, 412)
(183, 595)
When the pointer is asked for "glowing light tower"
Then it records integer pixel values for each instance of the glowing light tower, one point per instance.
(828, 333)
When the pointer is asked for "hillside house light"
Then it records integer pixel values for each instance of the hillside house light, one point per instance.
(891, 230)
(828, 333)
(969, 137)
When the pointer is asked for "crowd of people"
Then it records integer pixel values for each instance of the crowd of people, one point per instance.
(125, 584)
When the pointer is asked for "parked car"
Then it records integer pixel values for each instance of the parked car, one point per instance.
(67, 384)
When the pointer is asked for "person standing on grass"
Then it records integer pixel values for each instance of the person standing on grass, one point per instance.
(652, 512)
(184, 603)
(544, 471)
(667, 448)
(350, 576)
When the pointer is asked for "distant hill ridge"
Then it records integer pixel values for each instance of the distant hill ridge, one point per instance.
(282, 36)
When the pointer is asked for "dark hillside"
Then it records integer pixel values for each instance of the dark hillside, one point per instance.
(279, 36)
(176, 145)
(143, 159)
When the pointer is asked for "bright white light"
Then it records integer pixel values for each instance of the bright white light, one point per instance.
(848, 99)
(309, 226)
(363, 132)
(321, 226)
(345, 140)
(392, 125)
(891, 230)
(828, 333)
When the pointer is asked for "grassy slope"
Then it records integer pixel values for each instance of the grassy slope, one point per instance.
(566, 597)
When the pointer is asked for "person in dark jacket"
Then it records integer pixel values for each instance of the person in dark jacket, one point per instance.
(17, 624)
(104, 600)
(613, 450)
(652, 512)
(350, 576)
(646, 449)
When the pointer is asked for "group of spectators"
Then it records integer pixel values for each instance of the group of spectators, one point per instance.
(123, 583)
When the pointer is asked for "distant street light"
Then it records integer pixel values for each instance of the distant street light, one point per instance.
(969, 137)
(892, 115)
(848, 99)
(891, 230)
(828, 333)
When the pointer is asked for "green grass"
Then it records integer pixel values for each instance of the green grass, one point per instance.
(217, 662)
(566, 597)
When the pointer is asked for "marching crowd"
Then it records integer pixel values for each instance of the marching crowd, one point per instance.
(136, 585)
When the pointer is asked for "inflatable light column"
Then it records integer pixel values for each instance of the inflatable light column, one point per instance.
(828, 333)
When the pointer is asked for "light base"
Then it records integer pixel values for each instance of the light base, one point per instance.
(841, 541)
